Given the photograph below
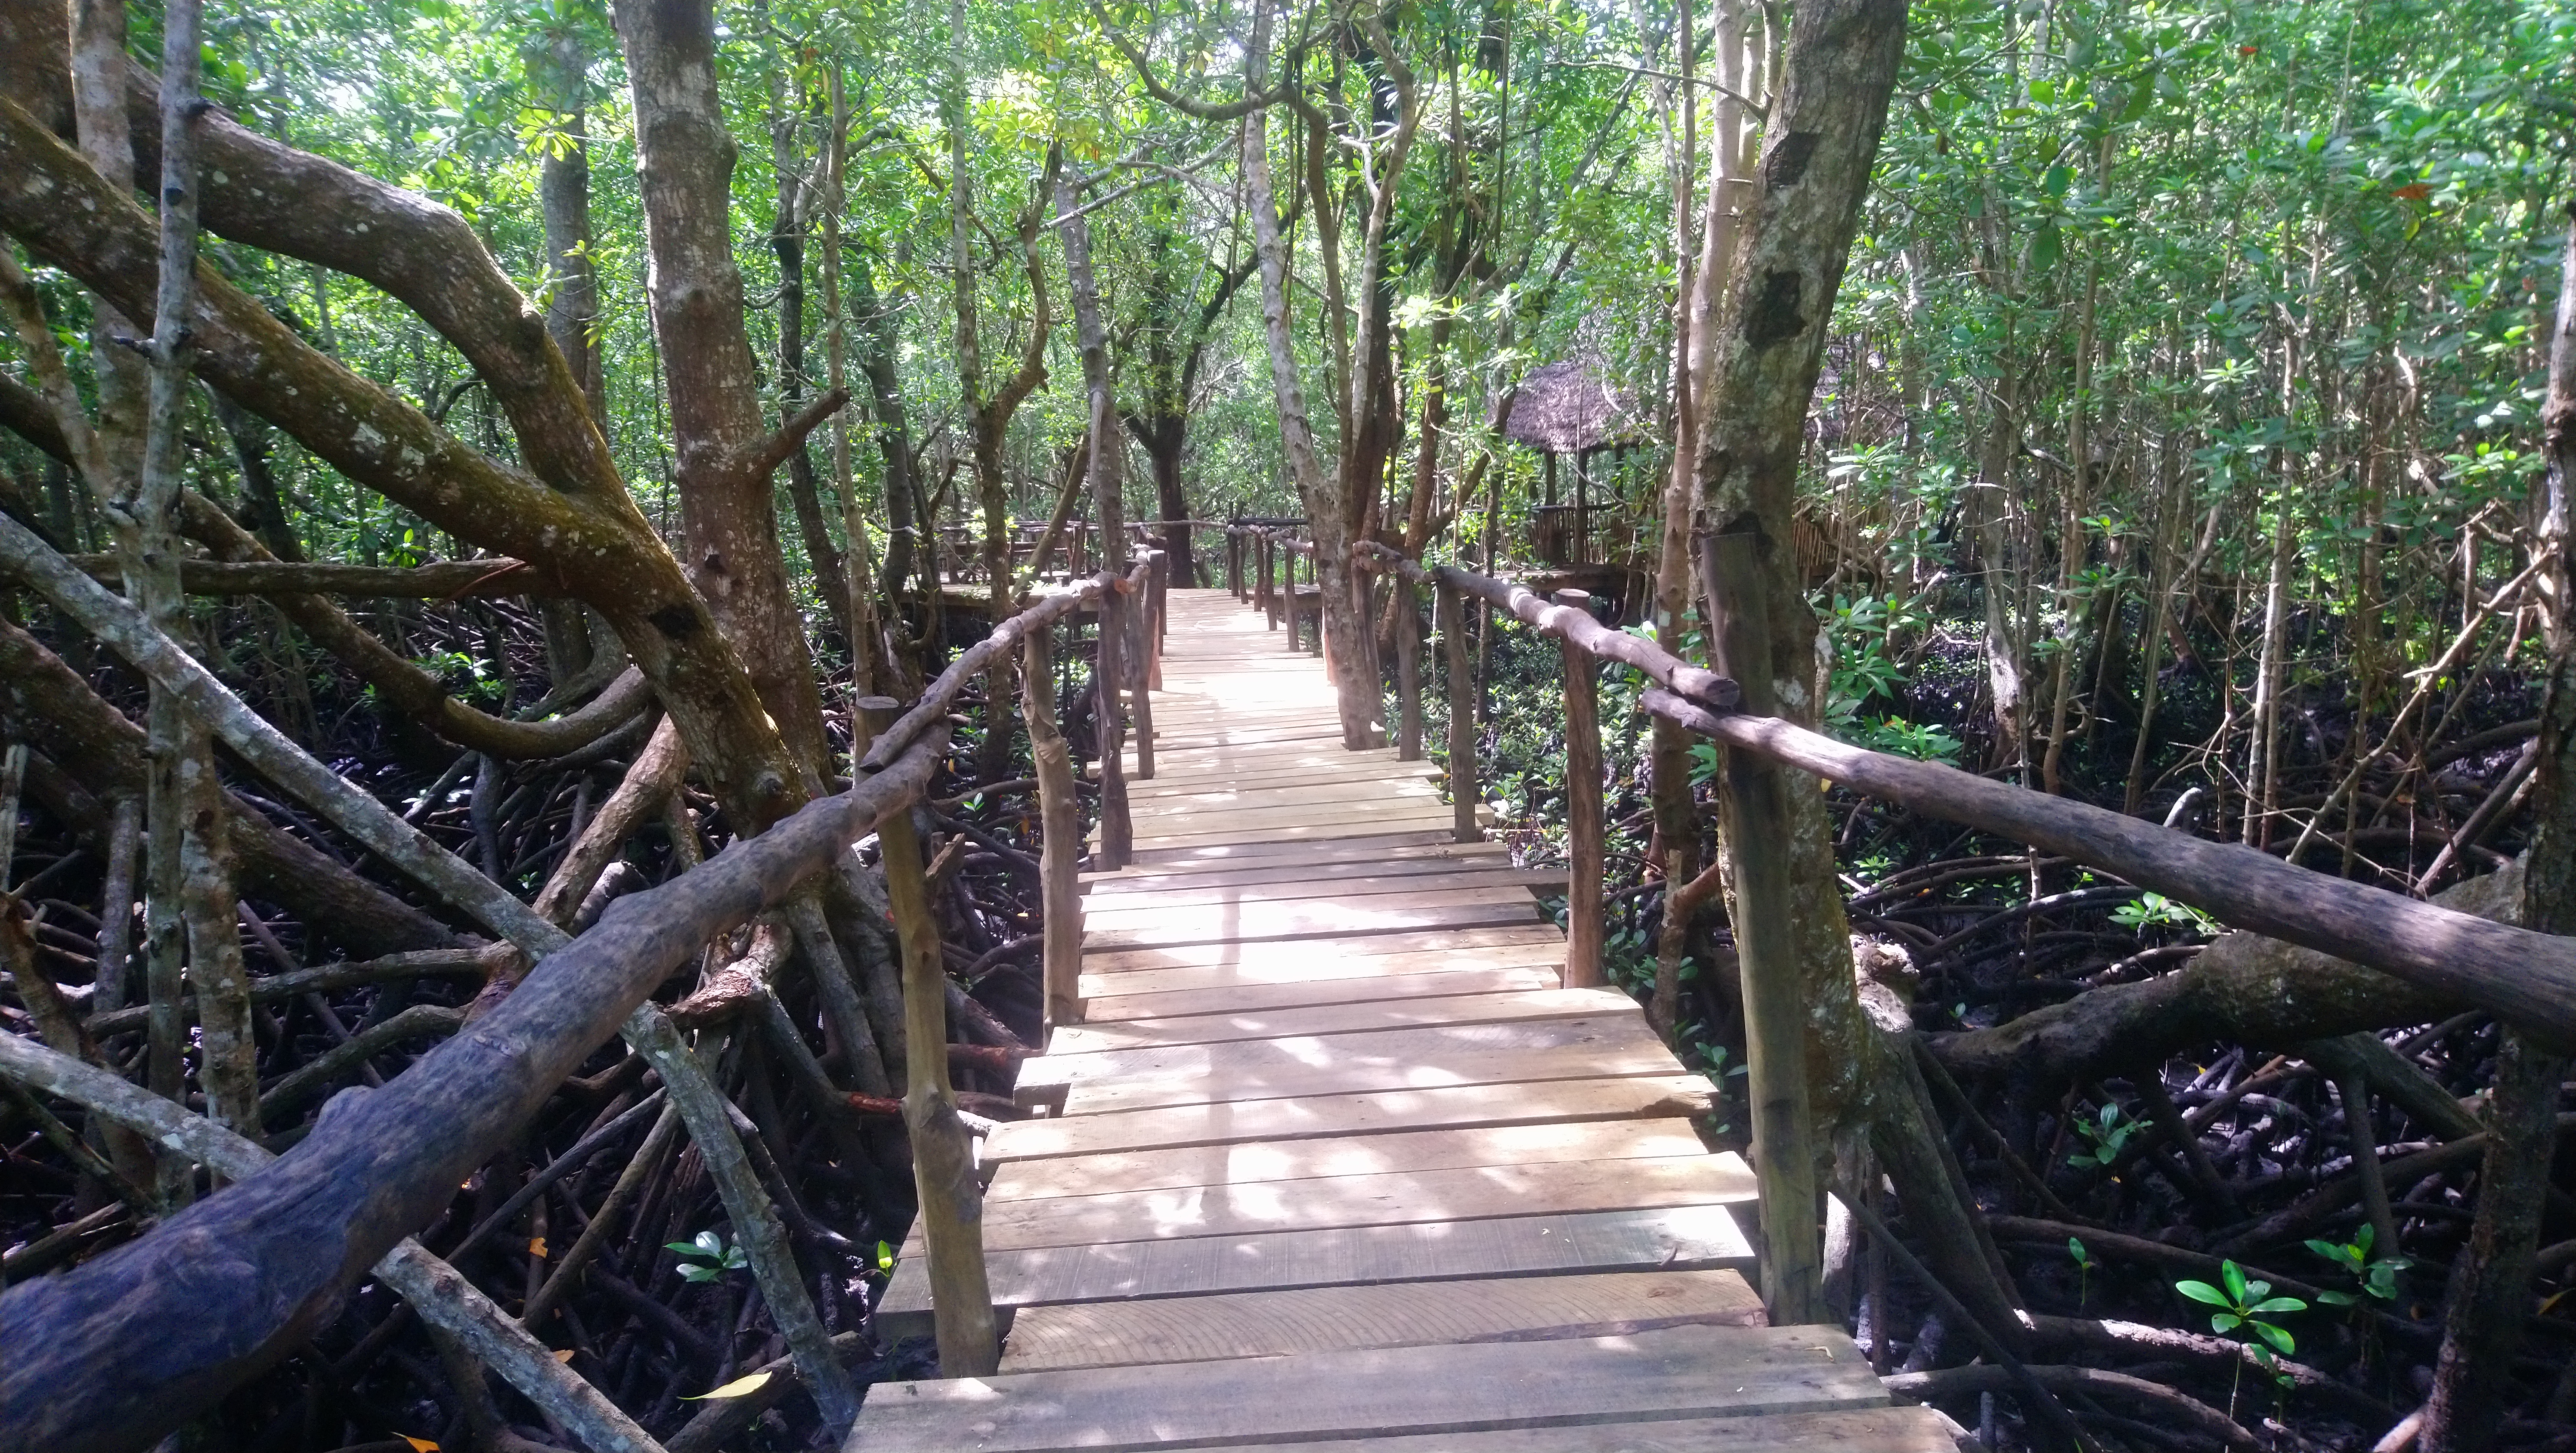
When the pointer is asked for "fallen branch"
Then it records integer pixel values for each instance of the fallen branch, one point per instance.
(443, 1298)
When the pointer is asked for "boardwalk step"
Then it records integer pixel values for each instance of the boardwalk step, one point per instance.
(1294, 1160)
(1641, 1097)
(1074, 1042)
(1382, 1198)
(1439, 982)
(1685, 1238)
(1397, 1314)
(1679, 1372)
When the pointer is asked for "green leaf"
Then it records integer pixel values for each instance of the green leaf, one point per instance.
(2075, 1248)
(2234, 1276)
(2278, 1337)
(2201, 1291)
(2278, 1304)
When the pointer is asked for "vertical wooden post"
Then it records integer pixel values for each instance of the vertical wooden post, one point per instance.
(943, 1156)
(1117, 830)
(1288, 592)
(1234, 563)
(1268, 597)
(1137, 653)
(1408, 670)
(1754, 796)
(1315, 577)
(1060, 841)
(1158, 583)
(1583, 813)
(1464, 792)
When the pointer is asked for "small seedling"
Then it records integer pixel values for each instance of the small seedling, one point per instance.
(2375, 1275)
(2243, 1307)
(706, 1257)
(2104, 1134)
(2155, 910)
(2084, 1264)
(885, 1258)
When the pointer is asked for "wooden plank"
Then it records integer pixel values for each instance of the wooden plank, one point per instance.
(1080, 1039)
(1175, 821)
(1304, 856)
(1380, 895)
(1846, 1430)
(1302, 879)
(1388, 1198)
(1222, 923)
(1410, 822)
(1597, 1047)
(1397, 1314)
(1240, 997)
(1636, 1097)
(1251, 792)
(1315, 957)
(1152, 1170)
(1688, 1238)
(1379, 1393)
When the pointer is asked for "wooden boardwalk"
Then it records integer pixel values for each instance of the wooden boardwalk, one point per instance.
(1334, 1161)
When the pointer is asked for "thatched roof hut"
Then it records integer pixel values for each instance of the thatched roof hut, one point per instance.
(1565, 408)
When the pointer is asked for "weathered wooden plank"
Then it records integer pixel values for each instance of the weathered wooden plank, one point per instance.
(1315, 957)
(1242, 1071)
(1639, 1097)
(1195, 822)
(1409, 822)
(1298, 880)
(1224, 923)
(1305, 855)
(1358, 1018)
(1388, 1198)
(1131, 910)
(1400, 1314)
(1848, 1430)
(1688, 1238)
(1289, 1160)
(1380, 988)
(1395, 1391)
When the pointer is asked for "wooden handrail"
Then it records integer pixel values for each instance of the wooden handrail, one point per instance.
(2526, 978)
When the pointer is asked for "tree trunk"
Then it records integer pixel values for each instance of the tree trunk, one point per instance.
(685, 158)
(1823, 133)
(2490, 1294)
(787, 242)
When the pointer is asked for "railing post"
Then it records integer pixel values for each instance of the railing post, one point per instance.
(1754, 795)
(1060, 841)
(1158, 585)
(1464, 793)
(1583, 813)
(943, 1157)
(1408, 669)
(1288, 592)
(1234, 563)
(1138, 653)
(1267, 597)
(1117, 830)
(1315, 577)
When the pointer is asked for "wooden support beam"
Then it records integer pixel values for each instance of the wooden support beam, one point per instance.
(1583, 815)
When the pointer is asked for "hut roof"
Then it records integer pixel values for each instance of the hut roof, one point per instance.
(1565, 408)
